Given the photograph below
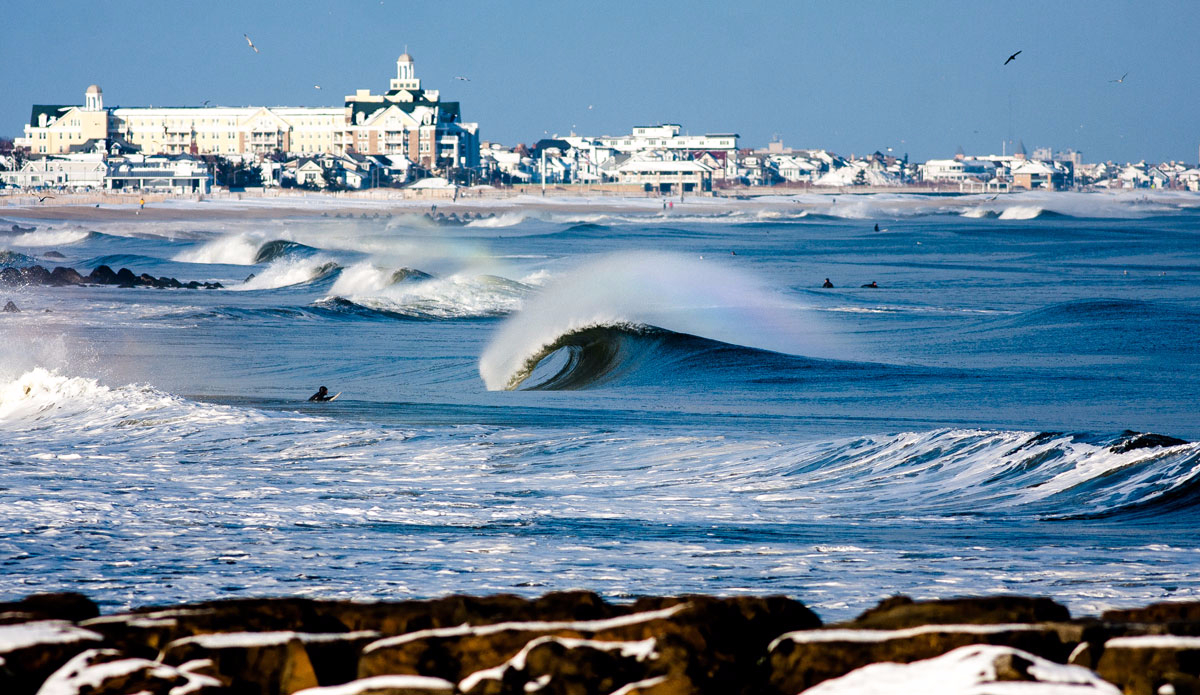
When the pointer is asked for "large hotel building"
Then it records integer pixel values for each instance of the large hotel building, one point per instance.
(406, 120)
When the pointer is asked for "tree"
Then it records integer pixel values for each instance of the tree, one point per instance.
(860, 179)
(237, 175)
(333, 182)
(18, 155)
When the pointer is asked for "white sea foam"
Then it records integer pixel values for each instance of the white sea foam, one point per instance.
(41, 394)
(288, 271)
(506, 219)
(237, 249)
(1021, 212)
(49, 237)
(668, 291)
(459, 295)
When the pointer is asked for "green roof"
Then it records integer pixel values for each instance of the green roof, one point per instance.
(51, 111)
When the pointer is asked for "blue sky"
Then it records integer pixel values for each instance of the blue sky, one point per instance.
(852, 77)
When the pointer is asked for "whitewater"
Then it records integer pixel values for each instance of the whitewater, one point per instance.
(624, 400)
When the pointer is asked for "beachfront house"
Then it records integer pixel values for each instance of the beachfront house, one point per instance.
(666, 176)
(666, 139)
(1031, 174)
(70, 172)
(179, 173)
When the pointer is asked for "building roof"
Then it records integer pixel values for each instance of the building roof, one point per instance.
(666, 166)
(51, 110)
(546, 143)
(94, 89)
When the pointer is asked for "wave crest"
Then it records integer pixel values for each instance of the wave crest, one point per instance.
(627, 292)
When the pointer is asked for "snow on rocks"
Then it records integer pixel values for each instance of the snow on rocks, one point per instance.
(972, 670)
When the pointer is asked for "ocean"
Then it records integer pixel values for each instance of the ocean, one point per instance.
(606, 395)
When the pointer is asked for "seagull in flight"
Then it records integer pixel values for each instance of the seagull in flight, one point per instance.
(316, 86)
(1122, 78)
(251, 43)
(1012, 57)
(206, 102)
(42, 198)
(464, 79)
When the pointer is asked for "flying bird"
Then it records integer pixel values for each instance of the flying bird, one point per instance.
(42, 198)
(1012, 57)
(206, 102)
(251, 43)
(464, 79)
(316, 86)
(1122, 78)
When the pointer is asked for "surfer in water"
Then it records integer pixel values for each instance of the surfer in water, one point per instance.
(828, 284)
(321, 395)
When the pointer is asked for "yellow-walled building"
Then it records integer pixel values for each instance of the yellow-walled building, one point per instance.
(405, 120)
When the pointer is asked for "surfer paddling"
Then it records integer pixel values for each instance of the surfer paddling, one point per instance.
(322, 395)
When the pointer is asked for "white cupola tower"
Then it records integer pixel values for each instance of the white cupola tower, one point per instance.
(93, 99)
(406, 74)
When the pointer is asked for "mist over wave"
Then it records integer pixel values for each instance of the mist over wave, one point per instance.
(414, 293)
(666, 291)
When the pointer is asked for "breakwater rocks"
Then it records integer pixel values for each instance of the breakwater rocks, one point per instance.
(577, 644)
(102, 275)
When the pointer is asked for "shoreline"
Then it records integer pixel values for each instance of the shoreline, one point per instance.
(280, 203)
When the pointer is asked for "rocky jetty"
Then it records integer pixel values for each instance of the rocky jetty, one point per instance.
(576, 643)
(102, 275)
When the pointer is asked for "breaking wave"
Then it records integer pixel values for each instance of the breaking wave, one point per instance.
(290, 271)
(51, 237)
(415, 294)
(1028, 212)
(620, 297)
(280, 248)
(41, 398)
(243, 249)
(506, 219)
(980, 472)
(594, 356)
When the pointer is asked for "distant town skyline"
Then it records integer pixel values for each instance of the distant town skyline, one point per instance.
(1113, 80)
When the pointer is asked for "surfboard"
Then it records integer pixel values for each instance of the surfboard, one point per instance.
(334, 398)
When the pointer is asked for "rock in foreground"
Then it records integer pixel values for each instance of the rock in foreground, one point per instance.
(575, 643)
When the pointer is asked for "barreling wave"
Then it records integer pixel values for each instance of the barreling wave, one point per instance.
(624, 353)
(605, 310)
(281, 248)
